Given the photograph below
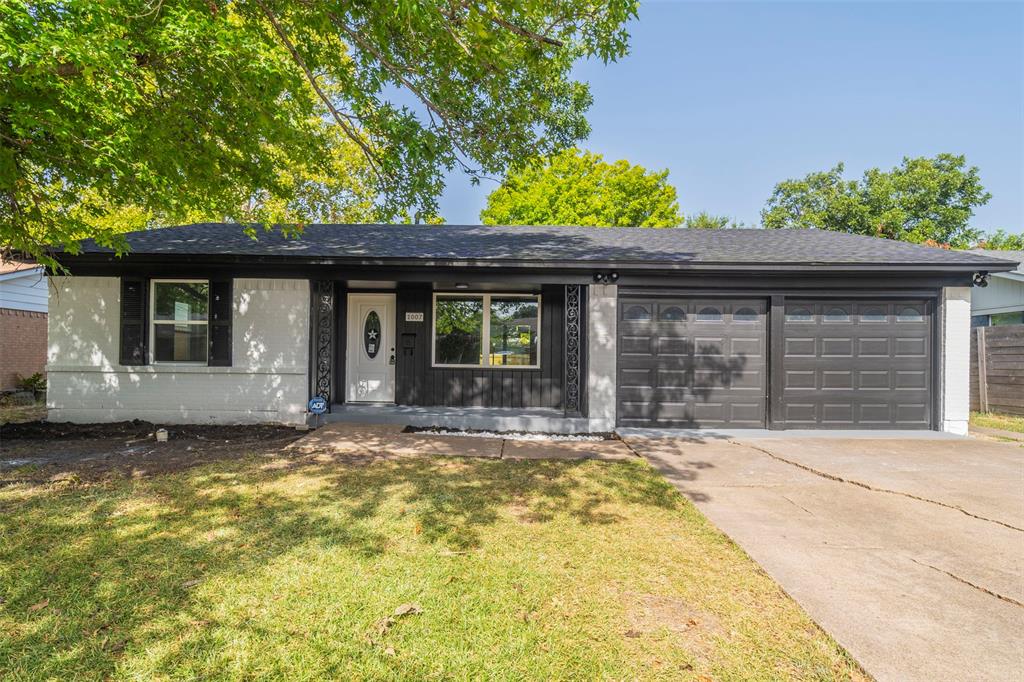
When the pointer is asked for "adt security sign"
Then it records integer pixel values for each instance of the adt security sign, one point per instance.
(317, 405)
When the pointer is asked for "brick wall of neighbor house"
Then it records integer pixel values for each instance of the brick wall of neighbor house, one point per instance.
(22, 345)
(267, 381)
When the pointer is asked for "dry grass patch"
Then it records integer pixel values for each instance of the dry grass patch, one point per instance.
(410, 568)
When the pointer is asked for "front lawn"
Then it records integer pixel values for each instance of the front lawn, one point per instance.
(991, 420)
(404, 569)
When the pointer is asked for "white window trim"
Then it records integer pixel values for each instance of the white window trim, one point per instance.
(485, 329)
(153, 322)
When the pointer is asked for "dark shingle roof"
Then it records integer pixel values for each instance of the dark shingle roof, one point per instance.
(672, 247)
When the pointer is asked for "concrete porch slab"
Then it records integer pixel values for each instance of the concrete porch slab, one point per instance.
(535, 419)
(389, 440)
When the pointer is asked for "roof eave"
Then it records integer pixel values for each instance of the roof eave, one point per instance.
(98, 259)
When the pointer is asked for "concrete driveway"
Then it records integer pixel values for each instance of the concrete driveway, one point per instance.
(910, 552)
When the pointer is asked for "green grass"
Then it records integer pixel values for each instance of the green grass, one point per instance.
(278, 569)
(991, 420)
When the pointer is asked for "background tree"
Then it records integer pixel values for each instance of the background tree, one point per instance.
(923, 200)
(174, 106)
(707, 221)
(1000, 240)
(575, 187)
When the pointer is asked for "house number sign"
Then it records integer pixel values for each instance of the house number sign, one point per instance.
(414, 317)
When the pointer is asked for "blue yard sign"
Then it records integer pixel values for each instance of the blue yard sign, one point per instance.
(317, 405)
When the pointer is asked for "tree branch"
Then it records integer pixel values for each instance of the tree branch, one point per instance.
(339, 117)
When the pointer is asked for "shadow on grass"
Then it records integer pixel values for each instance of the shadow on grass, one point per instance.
(88, 574)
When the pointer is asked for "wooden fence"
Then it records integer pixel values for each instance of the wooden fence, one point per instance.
(997, 369)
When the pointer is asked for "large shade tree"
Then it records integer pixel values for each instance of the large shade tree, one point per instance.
(216, 106)
(575, 187)
(923, 200)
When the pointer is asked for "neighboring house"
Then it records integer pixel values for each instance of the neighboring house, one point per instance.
(620, 327)
(1002, 301)
(22, 321)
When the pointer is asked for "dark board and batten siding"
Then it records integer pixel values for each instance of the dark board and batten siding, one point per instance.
(419, 383)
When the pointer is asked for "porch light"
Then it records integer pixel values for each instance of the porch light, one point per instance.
(461, 285)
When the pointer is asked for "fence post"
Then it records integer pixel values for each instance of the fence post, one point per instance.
(982, 371)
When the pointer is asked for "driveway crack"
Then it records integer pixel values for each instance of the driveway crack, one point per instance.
(954, 576)
(840, 479)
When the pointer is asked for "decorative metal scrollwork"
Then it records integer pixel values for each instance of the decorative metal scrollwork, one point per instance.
(324, 338)
(573, 348)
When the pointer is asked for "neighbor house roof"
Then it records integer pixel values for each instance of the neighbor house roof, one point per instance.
(671, 248)
(1016, 256)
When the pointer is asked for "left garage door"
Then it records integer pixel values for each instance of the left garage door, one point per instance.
(691, 362)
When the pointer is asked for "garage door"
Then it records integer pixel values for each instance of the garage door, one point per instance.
(689, 362)
(857, 364)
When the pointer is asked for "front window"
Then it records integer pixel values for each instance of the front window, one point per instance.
(180, 313)
(487, 330)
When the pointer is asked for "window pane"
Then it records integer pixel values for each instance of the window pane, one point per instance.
(637, 312)
(179, 343)
(673, 313)
(515, 326)
(1000, 319)
(709, 314)
(458, 330)
(837, 314)
(798, 315)
(909, 314)
(180, 301)
(873, 315)
(745, 315)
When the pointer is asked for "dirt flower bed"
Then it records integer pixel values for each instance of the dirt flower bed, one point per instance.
(40, 451)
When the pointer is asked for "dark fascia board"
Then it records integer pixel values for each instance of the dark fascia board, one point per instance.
(95, 261)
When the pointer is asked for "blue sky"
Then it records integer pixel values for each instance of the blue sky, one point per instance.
(733, 97)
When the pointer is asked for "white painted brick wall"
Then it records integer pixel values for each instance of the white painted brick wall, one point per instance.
(267, 382)
(956, 352)
(602, 311)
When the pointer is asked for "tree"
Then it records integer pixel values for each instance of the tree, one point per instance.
(175, 106)
(1001, 240)
(707, 221)
(924, 200)
(575, 187)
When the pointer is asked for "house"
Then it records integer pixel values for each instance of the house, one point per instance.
(556, 328)
(1002, 301)
(22, 321)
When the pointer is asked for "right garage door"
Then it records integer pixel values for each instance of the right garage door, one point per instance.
(857, 364)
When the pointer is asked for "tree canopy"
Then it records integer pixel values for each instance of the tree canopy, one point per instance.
(576, 187)
(708, 221)
(216, 106)
(1000, 240)
(923, 200)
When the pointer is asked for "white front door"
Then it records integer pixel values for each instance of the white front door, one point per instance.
(370, 356)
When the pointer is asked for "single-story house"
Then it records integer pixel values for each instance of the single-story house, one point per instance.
(562, 328)
(1002, 301)
(23, 299)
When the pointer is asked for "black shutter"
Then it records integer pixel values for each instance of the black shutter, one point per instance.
(134, 299)
(220, 322)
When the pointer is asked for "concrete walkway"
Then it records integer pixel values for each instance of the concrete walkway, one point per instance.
(907, 551)
(390, 440)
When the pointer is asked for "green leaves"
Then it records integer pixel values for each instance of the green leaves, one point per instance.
(1000, 240)
(578, 188)
(924, 200)
(177, 108)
